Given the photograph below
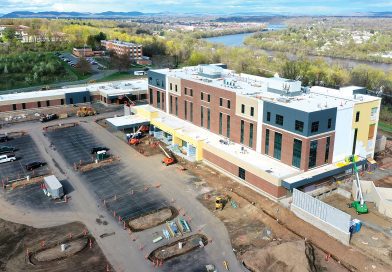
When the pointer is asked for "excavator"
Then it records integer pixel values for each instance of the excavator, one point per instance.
(168, 160)
(359, 205)
(85, 111)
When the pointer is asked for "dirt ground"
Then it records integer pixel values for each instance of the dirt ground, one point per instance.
(16, 239)
(55, 252)
(152, 219)
(258, 223)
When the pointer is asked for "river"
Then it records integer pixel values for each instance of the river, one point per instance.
(237, 40)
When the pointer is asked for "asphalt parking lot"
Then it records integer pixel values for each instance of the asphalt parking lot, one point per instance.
(26, 152)
(124, 192)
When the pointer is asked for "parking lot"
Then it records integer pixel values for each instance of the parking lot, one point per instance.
(26, 152)
(74, 60)
(124, 193)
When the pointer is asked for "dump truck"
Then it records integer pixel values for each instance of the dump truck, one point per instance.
(85, 111)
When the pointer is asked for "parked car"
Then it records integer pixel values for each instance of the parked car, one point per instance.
(4, 138)
(48, 117)
(7, 158)
(94, 150)
(6, 149)
(34, 165)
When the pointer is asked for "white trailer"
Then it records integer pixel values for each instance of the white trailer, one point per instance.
(53, 187)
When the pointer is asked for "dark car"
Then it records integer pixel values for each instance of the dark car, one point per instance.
(34, 165)
(94, 150)
(3, 138)
(6, 149)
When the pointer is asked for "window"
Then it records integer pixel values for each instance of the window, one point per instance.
(242, 108)
(151, 97)
(47, 103)
(242, 131)
(268, 116)
(299, 126)
(327, 144)
(185, 110)
(228, 126)
(279, 119)
(191, 106)
(329, 122)
(150, 79)
(191, 91)
(176, 106)
(208, 98)
(267, 134)
(13, 106)
(171, 86)
(85, 100)
(24, 106)
(251, 135)
(357, 116)
(208, 119)
(297, 153)
(38, 104)
(228, 104)
(355, 141)
(371, 131)
(171, 105)
(220, 101)
(186, 91)
(201, 116)
(313, 154)
(241, 173)
(176, 87)
(201, 96)
(158, 100)
(277, 146)
(252, 111)
(62, 102)
(373, 115)
(157, 82)
(163, 100)
(220, 122)
(315, 126)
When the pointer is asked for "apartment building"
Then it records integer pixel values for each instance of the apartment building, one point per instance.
(123, 48)
(268, 133)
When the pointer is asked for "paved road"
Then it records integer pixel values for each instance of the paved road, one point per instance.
(122, 252)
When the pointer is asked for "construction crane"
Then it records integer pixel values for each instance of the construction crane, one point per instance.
(169, 159)
(359, 205)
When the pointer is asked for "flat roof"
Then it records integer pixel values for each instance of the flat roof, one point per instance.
(53, 182)
(107, 88)
(127, 121)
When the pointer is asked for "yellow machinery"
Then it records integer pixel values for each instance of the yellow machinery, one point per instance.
(85, 111)
(220, 202)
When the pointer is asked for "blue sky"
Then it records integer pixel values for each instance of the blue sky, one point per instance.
(344, 7)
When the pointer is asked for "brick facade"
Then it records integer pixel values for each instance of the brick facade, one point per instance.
(276, 191)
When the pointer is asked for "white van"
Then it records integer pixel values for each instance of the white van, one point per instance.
(7, 158)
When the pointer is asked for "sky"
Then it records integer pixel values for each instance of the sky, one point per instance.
(307, 7)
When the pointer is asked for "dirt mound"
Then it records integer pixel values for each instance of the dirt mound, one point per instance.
(55, 253)
(289, 256)
(152, 219)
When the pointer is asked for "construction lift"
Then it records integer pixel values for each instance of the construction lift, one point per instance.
(85, 111)
(169, 159)
(359, 205)
(135, 137)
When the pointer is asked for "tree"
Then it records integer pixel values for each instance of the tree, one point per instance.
(94, 41)
(9, 34)
(83, 66)
(120, 62)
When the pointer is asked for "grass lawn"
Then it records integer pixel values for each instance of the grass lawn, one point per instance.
(385, 127)
(119, 76)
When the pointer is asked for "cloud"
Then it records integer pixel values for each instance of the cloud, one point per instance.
(210, 6)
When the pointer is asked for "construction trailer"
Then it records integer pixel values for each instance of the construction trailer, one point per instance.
(53, 187)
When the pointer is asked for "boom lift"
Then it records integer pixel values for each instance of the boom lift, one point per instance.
(359, 205)
(169, 159)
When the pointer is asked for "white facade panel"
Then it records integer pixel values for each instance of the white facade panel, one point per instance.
(344, 134)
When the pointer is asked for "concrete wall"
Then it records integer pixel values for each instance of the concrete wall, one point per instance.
(321, 215)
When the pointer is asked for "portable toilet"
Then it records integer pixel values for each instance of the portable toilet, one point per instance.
(53, 187)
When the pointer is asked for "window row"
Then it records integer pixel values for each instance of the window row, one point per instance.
(251, 111)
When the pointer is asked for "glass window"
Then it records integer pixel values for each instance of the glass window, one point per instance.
(242, 131)
(267, 135)
(201, 116)
(242, 108)
(241, 173)
(228, 104)
(252, 111)
(251, 135)
(171, 104)
(228, 126)
(171, 86)
(220, 122)
(191, 90)
(186, 90)
(329, 122)
(328, 143)
(38, 104)
(299, 126)
(357, 116)
(202, 96)
(221, 101)
(315, 126)
(176, 106)
(151, 96)
(278, 146)
(208, 119)
(185, 110)
(279, 119)
(374, 113)
(191, 108)
(176, 88)
(371, 131)
(297, 153)
(208, 98)
(268, 116)
(313, 154)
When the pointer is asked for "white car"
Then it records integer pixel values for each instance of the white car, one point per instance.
(7, 158)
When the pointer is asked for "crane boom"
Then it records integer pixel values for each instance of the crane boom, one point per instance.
(164, 151)
(358, 183)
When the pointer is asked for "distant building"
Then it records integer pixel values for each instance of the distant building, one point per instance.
(123, 48)
(86, 52)
(27, 35)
